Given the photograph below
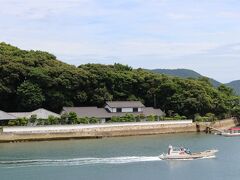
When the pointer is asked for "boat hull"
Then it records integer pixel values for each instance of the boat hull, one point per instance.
(230, 134)
(199, 155)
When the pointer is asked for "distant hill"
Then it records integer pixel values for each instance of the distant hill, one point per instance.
(235, 85)
(185, 73)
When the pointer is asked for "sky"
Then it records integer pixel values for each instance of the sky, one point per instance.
(202, 35)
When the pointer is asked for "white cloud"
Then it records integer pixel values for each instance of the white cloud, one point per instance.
(128, 31)
(40, 9)
(179, 16)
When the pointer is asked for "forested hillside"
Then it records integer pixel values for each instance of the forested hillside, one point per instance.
(235, 85)
(33, 79)
(185, 73)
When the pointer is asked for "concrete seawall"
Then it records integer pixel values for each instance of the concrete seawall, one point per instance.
(99, 131)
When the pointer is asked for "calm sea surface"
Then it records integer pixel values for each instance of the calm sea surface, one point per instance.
(133, 158)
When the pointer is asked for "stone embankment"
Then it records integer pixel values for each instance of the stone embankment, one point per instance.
(39, 133)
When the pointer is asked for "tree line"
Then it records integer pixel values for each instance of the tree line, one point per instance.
(34, 79)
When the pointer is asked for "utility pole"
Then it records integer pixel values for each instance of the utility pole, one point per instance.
(154, 101)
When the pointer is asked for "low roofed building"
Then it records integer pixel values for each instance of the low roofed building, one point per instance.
(5, 117)
(114, 109)
(40, 113)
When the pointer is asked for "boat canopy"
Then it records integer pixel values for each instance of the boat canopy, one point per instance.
(234, 129)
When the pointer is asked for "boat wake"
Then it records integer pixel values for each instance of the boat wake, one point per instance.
(77, 161)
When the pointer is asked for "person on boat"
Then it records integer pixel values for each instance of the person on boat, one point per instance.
(170, 149)
(188, 151)
(182, 150)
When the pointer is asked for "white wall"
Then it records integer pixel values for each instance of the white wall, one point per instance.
(71, 128)
(126, 110)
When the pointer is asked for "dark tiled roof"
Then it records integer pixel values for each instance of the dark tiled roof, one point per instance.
(88, 111)
(102, 113)
(6, 116)
(151, 111)
(124, 104)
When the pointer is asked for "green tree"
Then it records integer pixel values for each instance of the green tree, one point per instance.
(30, 96)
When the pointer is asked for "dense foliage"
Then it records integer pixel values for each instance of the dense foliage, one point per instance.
(33, 79)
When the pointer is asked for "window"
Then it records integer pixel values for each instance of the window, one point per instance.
(135, 109)
(119, 109)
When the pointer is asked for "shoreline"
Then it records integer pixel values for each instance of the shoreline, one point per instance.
(110, 130)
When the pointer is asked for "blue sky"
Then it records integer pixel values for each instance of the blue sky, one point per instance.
(203, 35)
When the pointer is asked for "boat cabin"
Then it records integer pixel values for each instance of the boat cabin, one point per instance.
(234, 130)
(178, 150)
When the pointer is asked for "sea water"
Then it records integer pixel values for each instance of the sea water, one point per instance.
(133, 158)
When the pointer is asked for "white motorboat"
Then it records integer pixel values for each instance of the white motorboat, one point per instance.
(231, 132)
(181, 153)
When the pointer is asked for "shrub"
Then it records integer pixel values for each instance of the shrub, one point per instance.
(64, 118)
(33, 118)
(12, 123)
(142, 116)
(150, 118)
(93, 120)
(211, 117)
(72, 118)
(114, 119)
(138, 118)
(42, 122)
(83, 120)
(22, 121)
(129, 118)
(198, 118)
(53, 120)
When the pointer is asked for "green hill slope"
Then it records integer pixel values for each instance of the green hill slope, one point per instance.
(235, 85)
(184, 73)
(34, 79)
